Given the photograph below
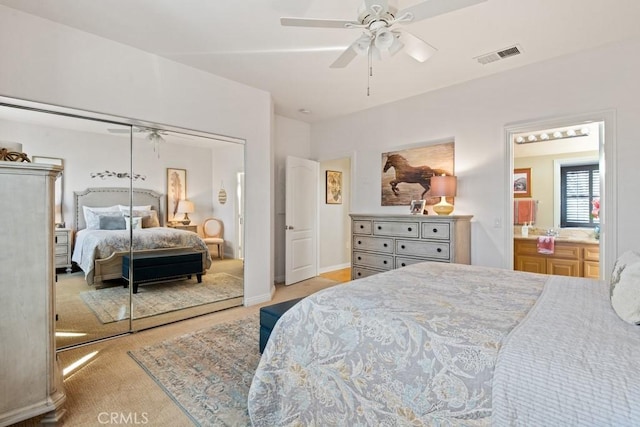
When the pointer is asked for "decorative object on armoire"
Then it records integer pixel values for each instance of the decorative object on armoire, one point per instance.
(412, 171)
(12, 152)
(186, 207)
(222, 194)
(31, 379)
(443, 186)
(110, 174)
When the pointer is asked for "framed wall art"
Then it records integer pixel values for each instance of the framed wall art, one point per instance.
(406, 174)
(176, 191)
(522, 182)
(334, 187)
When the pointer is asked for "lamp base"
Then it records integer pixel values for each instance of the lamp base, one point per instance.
(186, 220)
(443, 208)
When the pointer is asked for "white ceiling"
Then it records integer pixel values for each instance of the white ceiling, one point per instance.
(243, 40)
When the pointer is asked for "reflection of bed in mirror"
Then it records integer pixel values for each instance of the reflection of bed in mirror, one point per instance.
(100, 245)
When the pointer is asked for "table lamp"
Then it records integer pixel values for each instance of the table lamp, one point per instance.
(186, 207)
(443, 186)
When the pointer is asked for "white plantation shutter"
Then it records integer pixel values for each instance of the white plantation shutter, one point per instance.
(580, 185)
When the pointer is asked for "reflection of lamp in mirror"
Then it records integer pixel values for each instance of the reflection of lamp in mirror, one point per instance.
(186, 207)
(443, 186)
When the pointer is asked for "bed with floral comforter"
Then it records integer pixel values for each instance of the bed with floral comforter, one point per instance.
(98, 252)
(420, 346)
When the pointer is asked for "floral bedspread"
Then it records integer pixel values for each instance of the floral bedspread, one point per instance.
(98, 244)
(414, 346)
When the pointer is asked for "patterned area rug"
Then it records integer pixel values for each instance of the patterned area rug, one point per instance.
(112, 304)
(207, 373)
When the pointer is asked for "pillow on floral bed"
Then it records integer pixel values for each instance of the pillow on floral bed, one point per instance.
(626, 259)
(92, 215)
(625, 297)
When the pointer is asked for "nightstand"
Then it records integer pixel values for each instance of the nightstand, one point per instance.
(191, 227)
(63, 248)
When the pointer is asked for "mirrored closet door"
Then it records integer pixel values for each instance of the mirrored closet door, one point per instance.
(135, 199)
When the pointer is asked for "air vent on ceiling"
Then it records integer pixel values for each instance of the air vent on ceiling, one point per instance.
(498, 55)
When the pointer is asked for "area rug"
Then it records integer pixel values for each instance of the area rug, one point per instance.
(112, 304)
(207, 373)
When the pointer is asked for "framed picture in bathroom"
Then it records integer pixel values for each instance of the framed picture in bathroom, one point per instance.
(522, 182)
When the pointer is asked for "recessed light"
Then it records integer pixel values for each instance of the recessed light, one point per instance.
(304, 111)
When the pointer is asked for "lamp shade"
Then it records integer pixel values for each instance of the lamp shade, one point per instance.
(185, 206)
(444, 185)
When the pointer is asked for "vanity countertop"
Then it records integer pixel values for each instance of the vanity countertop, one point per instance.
(562, 239)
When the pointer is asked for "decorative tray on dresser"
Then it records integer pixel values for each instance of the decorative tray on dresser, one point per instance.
(384, 242)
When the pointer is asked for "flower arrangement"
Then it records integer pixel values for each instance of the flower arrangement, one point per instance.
(595, 208)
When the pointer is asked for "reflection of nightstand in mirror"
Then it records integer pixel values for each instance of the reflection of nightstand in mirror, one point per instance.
(63, 248)
(190, 227)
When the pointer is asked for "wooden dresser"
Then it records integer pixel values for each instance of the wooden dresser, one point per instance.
(384, 242)
(30, 381)
(569, 258)
(63, 248)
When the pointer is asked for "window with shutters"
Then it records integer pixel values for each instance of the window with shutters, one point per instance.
(580, 185)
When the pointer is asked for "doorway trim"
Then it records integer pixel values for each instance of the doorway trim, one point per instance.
(607, 150)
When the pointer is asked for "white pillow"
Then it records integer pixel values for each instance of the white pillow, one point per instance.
(626, 259)
(136, 223)
(91, 218)
(125, 209)
(625, 298)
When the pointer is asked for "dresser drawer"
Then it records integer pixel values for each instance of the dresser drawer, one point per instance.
(62, 237)
(379, 261)
(435, 230)
(438, 250)
(361, 227)
(403, 262)
(378, 244)
(359, 272)
(61, 250)
(396, 229)
(62, 260)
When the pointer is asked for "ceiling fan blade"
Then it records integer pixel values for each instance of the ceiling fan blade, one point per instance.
(320, 23)
(416, 48)
(345, 58)
(431, 8)
(372, 5)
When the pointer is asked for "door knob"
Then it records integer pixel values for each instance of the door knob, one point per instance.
(288, 227)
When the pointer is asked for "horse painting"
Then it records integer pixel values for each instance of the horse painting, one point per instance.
(410, 174)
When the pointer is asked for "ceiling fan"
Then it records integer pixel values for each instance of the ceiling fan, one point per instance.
(377, 19)
(153, 135)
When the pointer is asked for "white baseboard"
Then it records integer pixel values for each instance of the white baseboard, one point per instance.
(259, 299)
(334, 268)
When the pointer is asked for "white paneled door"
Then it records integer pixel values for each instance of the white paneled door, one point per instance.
(301, 219)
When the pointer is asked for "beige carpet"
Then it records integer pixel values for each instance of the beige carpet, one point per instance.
(207, 373)
(112, 382)
(112, 304)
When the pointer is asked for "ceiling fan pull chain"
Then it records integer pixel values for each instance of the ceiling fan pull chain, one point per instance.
(369, 71)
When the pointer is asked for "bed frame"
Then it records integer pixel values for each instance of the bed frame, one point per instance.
(111, 268)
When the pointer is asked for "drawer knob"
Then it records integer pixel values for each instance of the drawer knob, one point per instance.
(402, 246)
(439, 250)
(379, 227)
(435, 230)
(384, 262)
(359, 274)
(409, 228)
(403, 264)
(359, 242)
(359, 258)
(361, 226)
(385, 245)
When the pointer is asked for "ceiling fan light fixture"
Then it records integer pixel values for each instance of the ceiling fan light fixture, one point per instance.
(396, 46)
(384, 39)
(361, 46)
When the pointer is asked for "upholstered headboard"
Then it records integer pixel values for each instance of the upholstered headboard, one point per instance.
(109, 196)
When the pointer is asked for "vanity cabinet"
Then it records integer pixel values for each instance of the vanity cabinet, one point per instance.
(384, 242)
(30, 382)
(569, 258)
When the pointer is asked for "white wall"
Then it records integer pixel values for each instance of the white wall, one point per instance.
(335, 222)
(475, 115)
(292, 138)
(54, 64)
